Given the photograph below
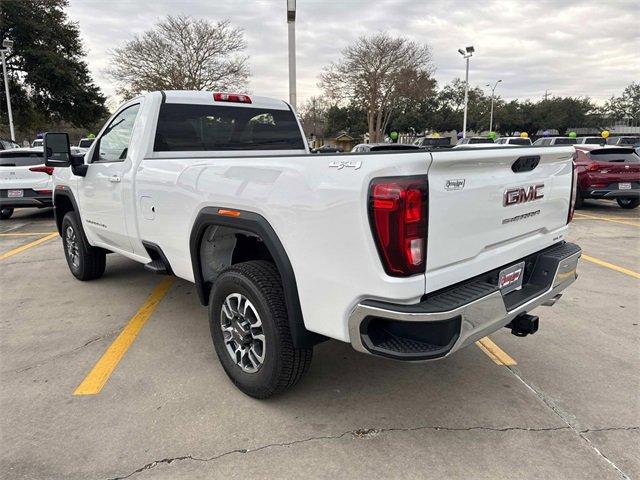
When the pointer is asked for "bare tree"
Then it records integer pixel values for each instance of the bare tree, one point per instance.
(181, 53)
(313, 114)
(375, 73)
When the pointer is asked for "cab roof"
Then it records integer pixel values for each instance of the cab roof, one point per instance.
(206, 98)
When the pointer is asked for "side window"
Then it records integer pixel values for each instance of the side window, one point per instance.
(114, 142)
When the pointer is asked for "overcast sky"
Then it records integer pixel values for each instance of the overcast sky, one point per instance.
(576, 48)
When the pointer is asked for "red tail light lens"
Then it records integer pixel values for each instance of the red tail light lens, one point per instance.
(574, 189)
(231, 97)
(398, 216)
(42, 169)
(593, 167)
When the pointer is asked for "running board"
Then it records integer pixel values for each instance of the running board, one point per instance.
(159, 263)
(157, 266)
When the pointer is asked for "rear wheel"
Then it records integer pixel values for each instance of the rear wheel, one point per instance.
(628, 203)
(250, 330)
(85, 262)
(6, 213)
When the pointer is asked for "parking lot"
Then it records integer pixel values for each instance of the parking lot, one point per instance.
(564, 403)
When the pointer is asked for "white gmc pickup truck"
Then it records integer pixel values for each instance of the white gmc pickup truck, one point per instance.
(409, 255)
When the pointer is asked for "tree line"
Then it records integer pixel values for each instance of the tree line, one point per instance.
(377, 84)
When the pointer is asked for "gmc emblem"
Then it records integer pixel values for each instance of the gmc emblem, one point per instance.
(514, 196)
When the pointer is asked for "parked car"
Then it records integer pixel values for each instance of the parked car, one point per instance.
(36, 143)
(591, 141)
(7, 144)
(326, 149)
(24, 180)
(549, 141)
(513, 141)
(288, 250)
(624, 140)
(472, 140)
(609, 172)
(85, 142)
(433, 142)
(379, 147)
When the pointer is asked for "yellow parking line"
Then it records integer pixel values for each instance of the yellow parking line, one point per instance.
(494, 352)
(607, 219)
(25, 234)
(21, 249)
(100, 373)
(602, 263)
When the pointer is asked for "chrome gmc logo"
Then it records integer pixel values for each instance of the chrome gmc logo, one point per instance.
(514, 196)
(509, 278)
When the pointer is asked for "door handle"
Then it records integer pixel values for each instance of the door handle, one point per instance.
(114, 179)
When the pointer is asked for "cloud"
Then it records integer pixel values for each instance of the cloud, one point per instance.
(576, 48)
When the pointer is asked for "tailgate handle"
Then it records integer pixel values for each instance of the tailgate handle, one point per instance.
(525, 164)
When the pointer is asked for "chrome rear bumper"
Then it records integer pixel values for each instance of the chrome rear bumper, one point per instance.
(482, 310)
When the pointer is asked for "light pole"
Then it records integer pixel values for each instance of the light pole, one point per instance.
(493, 90)
(291, 21)
(467, 53)
(7, 44)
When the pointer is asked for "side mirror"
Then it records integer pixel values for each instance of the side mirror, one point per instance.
(57, 151)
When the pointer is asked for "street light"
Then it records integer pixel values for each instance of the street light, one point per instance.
(7, 44)
(492, 93)
(291, 21)
(467, 53)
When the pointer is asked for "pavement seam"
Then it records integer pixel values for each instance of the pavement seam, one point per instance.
(565, 417)
(60, 355)
(362, 433)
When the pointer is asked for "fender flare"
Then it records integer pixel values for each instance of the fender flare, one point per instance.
(257, 224)
(64, 191)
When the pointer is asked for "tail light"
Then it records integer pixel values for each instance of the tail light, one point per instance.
(593, 167)
(574, 190)
(231, 97)
(46, 191)
(398, 216)
(42, 169)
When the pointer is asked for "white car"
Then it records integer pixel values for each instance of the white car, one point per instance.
(37, 143)
(289, 249)
(514, 141)
(24, 180)
(550, 141)
(85, 143)
(591, 141)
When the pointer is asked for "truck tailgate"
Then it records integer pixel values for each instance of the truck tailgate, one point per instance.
(484, 212)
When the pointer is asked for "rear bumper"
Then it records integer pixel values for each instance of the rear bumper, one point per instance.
(455, 317)
(31, 198)
(614, 193)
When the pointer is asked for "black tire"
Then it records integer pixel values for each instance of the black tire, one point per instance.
(86, 262)
(283, 364)
(628, 203)
(5, 213)
(579, 200)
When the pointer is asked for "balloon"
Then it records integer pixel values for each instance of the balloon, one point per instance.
(605, 133)
(516, 133)
(393, 135)
(524, 135)
(459, 135)
(492, 135)
(435, 135)
(91, 135)
(546, 133)
(572, 135)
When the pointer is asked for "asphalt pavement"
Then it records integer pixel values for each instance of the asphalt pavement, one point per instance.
(561, 404)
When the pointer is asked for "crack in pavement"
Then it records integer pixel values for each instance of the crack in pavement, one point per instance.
(565, 417)
(362, 433)
(609, 429)
(60, 355)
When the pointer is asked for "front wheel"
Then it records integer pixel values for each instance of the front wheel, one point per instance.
(85, 262)
(250, 330)
(628, 203)
(5, 213)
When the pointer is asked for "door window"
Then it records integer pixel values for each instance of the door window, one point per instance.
(114, 142)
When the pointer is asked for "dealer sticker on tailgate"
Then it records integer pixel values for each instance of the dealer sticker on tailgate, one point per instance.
(510, 278)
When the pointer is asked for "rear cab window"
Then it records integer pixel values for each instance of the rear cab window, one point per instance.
(21, 159)
(565, 141)
(199, 127)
